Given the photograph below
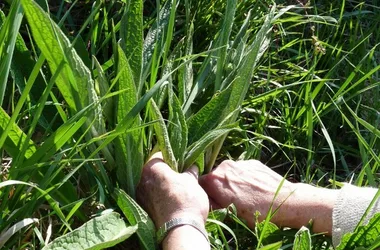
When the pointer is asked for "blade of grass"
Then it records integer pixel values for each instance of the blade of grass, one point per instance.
(8, 36)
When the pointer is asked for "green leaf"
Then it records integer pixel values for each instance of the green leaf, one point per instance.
(241, 83)
(273, 246)
(177, 130)
(15, 137)
(8, 36)
(209, 116)
(364, 236)
(245, 71)
(219, 214)
(162, 136)
(74, 82)
(223, 40)
(131, 33)
(129, 152)
(103, 87)
(137, 216)
(154, 37)
(302, 239)
(198, 147)
(53, 204)
(58, 139)
(98, 233)
(5, 235)
(268, 232)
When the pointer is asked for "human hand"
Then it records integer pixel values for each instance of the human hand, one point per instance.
(251, 186)
(165, 194)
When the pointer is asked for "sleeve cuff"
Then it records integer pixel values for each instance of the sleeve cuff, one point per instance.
(350, 205)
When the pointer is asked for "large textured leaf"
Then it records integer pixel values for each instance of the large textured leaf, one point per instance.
(243, 74)
(177, 129)
(223, 41)
(15, 137)
(245, 71)
(137, 216)
(129, 155)
(208, 117)
(367, 237)
(162, 136)
(98, 233)
(302, 239)
(74, 82)
(198, 147)
(154, 37)
(131, 33)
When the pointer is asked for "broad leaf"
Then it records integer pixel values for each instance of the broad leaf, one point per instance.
(364, 237)
(74, 82)
(98, 233)
(137, 216)
(154, 37)
(131, 33)
(177, 129)
(162, 136)
(129, 155)
(208, 117)
(198, 147)
(302, 239)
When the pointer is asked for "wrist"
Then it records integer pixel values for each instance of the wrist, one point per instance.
(185, 237)
(307, 203)
(180, 214)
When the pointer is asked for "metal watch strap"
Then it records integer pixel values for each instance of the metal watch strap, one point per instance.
(176, 222)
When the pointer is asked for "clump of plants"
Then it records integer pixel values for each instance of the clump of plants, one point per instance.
(83, 106)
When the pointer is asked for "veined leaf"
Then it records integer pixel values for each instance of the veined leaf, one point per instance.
(137, 216)
(243, 74)
(177, 130)
(365, 236)
(98, 233)
(129, 152)
(103, 88)
(75, 82)
(154, 37)
(163, 137)
(302, 239)
(209, 116)
(222, 43)
(131, 33)
(198, 147)
(245, 71)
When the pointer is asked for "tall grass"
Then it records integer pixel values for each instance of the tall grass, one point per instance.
(88, 91)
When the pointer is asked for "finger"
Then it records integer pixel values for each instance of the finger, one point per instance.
(193, 171)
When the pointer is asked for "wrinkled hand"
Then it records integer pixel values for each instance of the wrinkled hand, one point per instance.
(250, 186)
(165, 194)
